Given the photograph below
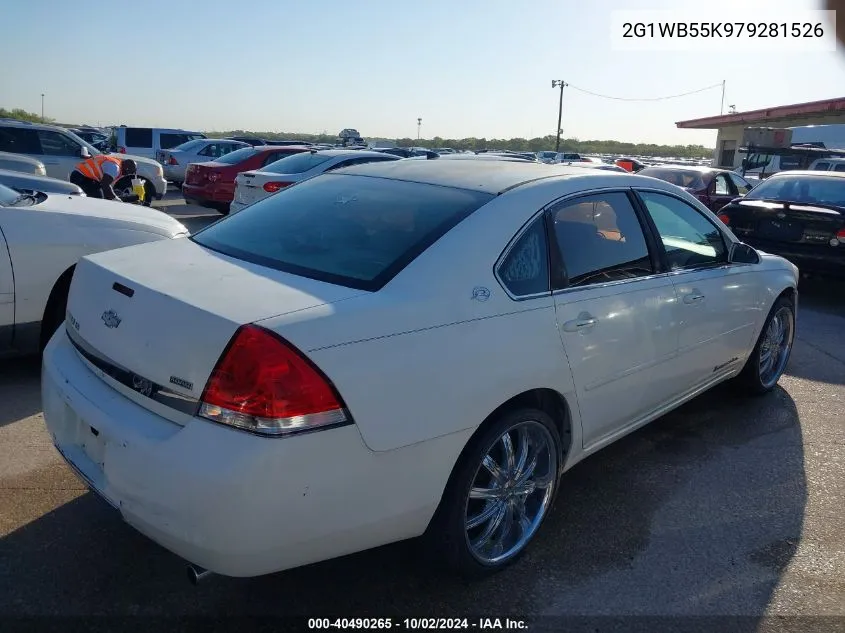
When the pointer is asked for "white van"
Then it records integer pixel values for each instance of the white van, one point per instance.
(825, 136)
(146, 141)
(828, 164)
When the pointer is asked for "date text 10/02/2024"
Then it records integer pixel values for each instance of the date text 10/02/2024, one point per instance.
(412, 624)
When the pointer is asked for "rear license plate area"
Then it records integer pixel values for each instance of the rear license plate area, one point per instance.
(781, 230)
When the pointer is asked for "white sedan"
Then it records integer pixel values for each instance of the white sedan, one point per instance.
(255, 185)
(42, 235)
(399, 349)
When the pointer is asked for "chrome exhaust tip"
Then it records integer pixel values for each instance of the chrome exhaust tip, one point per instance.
(197, 574)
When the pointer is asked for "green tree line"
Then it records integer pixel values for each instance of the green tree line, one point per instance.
(538, 144)
(22, 115)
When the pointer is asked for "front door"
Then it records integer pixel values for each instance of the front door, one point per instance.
(7, 291)
(615, 312)
(717, 303)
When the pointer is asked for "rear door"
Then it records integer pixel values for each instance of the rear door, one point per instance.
(717, 308)
(615, 311)
(7, 291)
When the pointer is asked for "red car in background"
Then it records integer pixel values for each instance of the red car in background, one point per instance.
(714, 187)
(212, 184)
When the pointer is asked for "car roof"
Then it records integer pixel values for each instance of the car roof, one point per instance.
(700, 168)
(273, 148)
(349, 152)
(487, 176)
(808, 172)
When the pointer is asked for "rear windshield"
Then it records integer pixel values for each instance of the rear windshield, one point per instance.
(828, 190)
(680, 177)
(354, 231)
(296, 164)
(190, 144)
(238, 156)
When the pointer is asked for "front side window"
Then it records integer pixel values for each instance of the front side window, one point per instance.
(212, 150)
(822, 166)
(354, 231)
(600, 239)
(741, 184)
(722, 186)
(689, 239)
(839, 167)
(525, 269)
(55, 144)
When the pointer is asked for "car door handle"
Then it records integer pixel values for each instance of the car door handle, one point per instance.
(583, 322)
(693, 297)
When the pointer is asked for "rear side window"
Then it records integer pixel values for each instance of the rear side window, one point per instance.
(822, 166)
(190, 145)
(353, 231)
(238, 156)
(600, 239)
(525, 269)
(296, 163)
(139, 137)
(839, 167)
(19, 141)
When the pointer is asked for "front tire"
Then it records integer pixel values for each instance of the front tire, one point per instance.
(770, 355)
(499, 494)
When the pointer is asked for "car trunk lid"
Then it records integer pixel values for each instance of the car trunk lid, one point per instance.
(788, 221)
(156, 321)
(252, 186)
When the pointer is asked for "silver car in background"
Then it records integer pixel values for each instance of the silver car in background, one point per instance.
(30, 183)
(22, 164)
(175, 161)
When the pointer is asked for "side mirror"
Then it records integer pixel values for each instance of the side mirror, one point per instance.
(84, 153)
(743, 254)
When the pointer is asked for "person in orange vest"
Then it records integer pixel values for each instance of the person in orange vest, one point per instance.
(96, 175)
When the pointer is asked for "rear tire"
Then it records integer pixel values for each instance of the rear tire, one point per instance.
(498, 495)
(770, 355)
(222, 208)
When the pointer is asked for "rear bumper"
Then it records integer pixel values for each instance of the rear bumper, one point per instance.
(174, 173)
(822, 259)
(215, 193)
(231, 502)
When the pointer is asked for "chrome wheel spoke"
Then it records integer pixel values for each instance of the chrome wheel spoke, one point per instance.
(484, 493)
(524, 441)
(493, 468)
(525, 475)
(505, 531)
(493, 523)
(510, 456)
(485, 515)
(524, 521)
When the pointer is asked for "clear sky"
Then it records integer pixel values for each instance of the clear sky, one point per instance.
(467, 67)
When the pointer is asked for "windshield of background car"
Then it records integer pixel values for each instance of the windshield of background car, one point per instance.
(354, 231)
(238, 156)
(680, 177)
(296, 164)
(196, 143)
(91, 149)
(828, 190)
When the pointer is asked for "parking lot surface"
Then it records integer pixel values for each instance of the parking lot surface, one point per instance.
(728, 506)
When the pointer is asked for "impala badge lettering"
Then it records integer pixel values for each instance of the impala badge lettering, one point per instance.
(175, 380)
(480, 293)
(111, 319)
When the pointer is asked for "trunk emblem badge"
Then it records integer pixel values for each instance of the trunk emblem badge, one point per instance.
(111, 319)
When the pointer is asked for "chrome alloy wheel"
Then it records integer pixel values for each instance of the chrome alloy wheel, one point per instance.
(511, 492)
(776, 345)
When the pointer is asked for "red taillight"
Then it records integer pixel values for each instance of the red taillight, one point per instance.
(172, 161)
(725, 218)
(263, 384)
(273, 187)
(122, 150)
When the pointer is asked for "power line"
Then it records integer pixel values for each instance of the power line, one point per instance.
(596, 94)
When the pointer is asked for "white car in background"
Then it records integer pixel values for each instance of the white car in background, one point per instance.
(255, 185)
(42, 236)
(61, 151)
(398, 349)
(175, 161)
(23, 164)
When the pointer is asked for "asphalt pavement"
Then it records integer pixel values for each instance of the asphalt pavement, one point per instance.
(726, 507)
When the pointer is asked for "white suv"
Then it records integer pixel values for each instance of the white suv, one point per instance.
(61, 150)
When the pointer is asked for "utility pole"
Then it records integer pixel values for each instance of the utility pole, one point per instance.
(555, 84)
(419, 125)
(722, 107)
(42, 106)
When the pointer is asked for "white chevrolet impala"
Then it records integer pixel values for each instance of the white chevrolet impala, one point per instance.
(396, 349)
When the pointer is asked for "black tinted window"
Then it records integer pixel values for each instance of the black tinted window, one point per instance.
(19, 141)
(690, 239)
(167, 140)
(600, 239)
(350, 230)
(139, 137)
(238, 156)
(525, 269)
